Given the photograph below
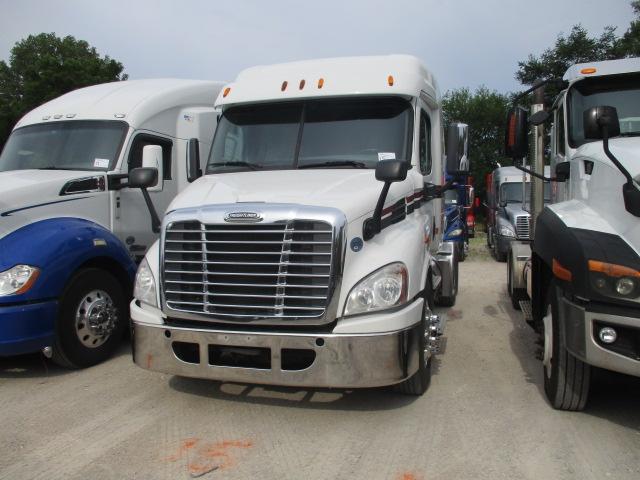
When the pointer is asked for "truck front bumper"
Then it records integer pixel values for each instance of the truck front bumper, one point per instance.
(345, 360)
(581, 337)
(27, 328)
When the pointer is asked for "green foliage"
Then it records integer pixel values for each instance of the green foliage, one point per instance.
(484, 111)
(579, 47)
(44, 66)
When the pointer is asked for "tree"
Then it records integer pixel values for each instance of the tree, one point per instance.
(44, 66)
(579, 47)
(484, 111)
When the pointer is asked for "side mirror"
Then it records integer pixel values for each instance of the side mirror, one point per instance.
(144, 178)
(502, 203)
(193, 160)
(457, 149)
(391, 170)
(563, 171)
(387, 171)
(152, 158)
(516, 139)
(601, 121)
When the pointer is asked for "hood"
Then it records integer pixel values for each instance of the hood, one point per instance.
(513, 210)
(625, 149)
(354, 192)
(21, 189)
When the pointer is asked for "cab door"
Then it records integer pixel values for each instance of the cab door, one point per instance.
(431, 171)
(132, 220)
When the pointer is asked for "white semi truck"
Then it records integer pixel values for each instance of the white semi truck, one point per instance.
(310, 253)
(73, 224)
(578, 281)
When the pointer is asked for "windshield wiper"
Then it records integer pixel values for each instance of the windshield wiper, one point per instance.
(630, 134)
(249, 165)
(337, 163)
(53, 167)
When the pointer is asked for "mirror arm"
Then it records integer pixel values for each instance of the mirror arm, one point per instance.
(616, 162)
(537, 175)
(372, 226)
(155, 220)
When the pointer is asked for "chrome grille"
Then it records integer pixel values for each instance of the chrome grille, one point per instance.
(522, 226)
(280, 270)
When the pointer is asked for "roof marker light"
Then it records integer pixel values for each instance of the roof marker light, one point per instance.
(226, 92)
(321, 83)
(390, 80)
(57, 116)
(119, 115)
(46, 117)
(284, 86)
(588, 71)
(301, 86)
(70, 115)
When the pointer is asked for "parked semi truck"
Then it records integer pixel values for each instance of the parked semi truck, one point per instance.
(311, 253)
(578, 281)
(73, 225)
(508, 207)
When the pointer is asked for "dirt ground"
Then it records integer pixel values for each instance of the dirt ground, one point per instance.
(484, 416)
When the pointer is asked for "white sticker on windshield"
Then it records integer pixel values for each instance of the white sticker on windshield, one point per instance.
(101, 163)
(386, 156)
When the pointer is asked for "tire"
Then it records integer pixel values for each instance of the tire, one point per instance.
(515, 294)
(461, 252)
(91, 293)
(500, 256)
(451, 300)
(418, 383)
(566, 378)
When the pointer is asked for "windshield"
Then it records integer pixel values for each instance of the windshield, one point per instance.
(73, 145)
(345, 133)
(621, 92)
(511, 192)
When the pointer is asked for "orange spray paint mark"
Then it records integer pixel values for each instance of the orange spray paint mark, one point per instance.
(149, 359)
(208, 457)
(408, 476)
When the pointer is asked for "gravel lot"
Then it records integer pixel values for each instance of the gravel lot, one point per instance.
(484, 416)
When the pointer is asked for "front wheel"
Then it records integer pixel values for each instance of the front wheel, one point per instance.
(566, 377)
(515, 294)
(91, 319)
(418, 383)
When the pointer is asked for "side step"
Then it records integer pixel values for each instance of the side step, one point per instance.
(434, 335)
(525, 306)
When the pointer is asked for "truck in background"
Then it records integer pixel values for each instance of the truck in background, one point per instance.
(73, 223)
(509, 209)
(311, 253)
(578, 281)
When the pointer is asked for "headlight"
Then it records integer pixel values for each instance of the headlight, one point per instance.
(507, 232)
(17, 280)
(384, 288)
(455, 233)
(145, 288)
(614, 280)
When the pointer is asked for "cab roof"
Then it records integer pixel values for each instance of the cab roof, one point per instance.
(133, 101)
(401, 75)
(599, 69)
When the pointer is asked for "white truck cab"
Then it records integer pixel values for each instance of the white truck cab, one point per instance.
(579, 280)
(310, 252)
(71, 227)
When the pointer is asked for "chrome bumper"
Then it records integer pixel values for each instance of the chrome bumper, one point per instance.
(341, 360)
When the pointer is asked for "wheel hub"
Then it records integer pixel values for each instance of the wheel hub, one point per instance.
(96, 318)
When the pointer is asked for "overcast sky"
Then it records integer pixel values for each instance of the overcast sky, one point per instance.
(464, 42)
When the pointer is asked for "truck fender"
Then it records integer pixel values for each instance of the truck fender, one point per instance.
(59, 247)
(519, 253)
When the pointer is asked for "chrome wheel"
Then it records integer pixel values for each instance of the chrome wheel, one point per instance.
(96, 318)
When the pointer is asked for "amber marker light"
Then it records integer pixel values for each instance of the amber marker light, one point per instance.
(284, 86)
(226, 92)
(302, 83)
(560, 272)
(321, 83)
(612, 270)
(588, 71)
(390, 80)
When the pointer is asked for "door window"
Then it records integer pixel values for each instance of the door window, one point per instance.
(425, 143)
